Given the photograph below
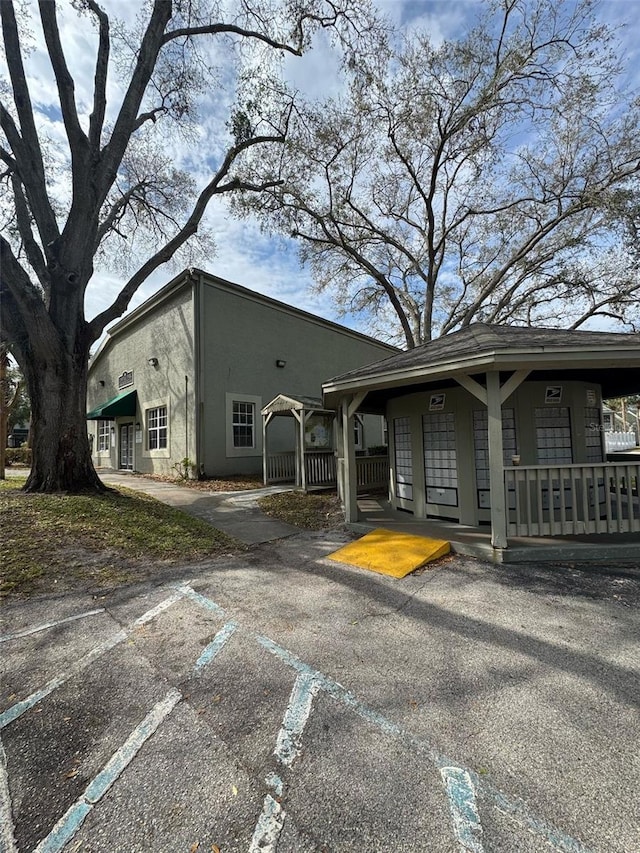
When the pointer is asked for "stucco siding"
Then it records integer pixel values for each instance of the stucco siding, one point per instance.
(243, 338)
(166, 334)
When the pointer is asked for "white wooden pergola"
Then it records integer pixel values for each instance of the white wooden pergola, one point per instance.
(301, 408)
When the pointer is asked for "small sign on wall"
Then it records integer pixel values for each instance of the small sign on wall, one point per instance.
(553, 395)
(436, 402)
(125, 379)
(592, 397)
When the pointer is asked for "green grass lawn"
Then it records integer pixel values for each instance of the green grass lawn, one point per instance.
(51, 541)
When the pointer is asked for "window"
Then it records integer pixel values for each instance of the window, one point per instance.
(243, 424)
(104, 428)
(357, 432)
(157, 428)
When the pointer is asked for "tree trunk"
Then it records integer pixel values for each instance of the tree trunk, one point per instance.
(4, 411)
(61, 453)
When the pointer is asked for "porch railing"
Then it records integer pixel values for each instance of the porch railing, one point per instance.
(320, 468)
(573, 499)
(281, 467)
(372, 471)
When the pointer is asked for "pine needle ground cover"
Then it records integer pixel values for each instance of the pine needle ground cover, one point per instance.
(50, 542)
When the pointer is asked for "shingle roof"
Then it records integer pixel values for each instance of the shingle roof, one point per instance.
(483, 339)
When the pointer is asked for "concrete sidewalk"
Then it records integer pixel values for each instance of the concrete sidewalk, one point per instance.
(235, 513)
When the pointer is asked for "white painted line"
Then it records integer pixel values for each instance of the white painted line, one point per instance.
(19, 708)
(268, 828)
(464, 812)
(514, 807)
(289, 740)
(45, 627)
(72, 820)
(203, 601)
(276, 783)
(219, 641)
(7, 837)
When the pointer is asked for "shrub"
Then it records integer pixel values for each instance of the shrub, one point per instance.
(378, 450)
(18, 455)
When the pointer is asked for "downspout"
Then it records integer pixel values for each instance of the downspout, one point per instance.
(197, 366)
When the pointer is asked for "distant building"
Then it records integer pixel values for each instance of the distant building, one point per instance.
(186, 374)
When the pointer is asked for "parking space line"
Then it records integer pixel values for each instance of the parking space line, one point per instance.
(45, 627)
(464, 811)
(19, 708)
(461, 783)
(7, 837)
(73, 818)
(208, 604)
(515, 808)
(289, 739)
(269, 826)
(218, 643)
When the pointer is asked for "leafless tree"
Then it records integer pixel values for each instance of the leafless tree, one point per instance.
(113, 186)
(476, 180)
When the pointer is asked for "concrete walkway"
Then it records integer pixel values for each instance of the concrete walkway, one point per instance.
(235, 513)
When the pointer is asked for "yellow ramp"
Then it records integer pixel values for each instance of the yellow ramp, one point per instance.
(390, 552)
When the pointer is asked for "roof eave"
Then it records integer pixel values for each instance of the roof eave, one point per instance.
(503, 359)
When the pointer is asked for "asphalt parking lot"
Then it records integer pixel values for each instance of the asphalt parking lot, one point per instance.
(276, 701)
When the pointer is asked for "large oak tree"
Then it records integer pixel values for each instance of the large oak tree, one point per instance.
(115, 183)
(485, 178)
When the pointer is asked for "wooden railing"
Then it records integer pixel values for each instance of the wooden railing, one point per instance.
(320, 469)
(372, 471)
(281, 467)
(573, 499)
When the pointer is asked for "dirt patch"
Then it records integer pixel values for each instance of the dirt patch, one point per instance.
(308, 511)
(232, 483)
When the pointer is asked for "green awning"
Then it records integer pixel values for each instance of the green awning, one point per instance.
(118, 407)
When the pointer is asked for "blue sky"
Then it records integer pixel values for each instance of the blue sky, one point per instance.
(244, 254)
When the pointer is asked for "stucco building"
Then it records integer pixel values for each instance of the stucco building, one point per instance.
(186, 374)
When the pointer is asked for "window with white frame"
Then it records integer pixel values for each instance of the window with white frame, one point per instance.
(157, 428)
(104, 432)
(243, 423)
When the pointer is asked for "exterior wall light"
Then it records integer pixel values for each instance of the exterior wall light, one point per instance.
(280, 362)
(153, 362)
(101, 383)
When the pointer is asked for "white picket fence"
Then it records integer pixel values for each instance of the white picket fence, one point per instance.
(619, 441)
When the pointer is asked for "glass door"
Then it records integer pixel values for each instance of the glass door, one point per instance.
(126, 447)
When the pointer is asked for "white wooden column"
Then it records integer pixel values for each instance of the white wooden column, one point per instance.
(339, 451)
(303, 467)
(266, 419)
(299, 449)
(350, 481)
(349, 407)
(496, 462)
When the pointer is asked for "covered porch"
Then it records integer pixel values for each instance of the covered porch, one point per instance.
(312, 464)
(496, 433)
(475, 541)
